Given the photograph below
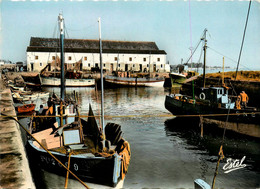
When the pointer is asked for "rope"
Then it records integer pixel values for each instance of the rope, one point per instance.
(228, 57)
(150, 115)
(67, 177)
(221, 155)
(46, 150)
(243, 38)
(190, 32)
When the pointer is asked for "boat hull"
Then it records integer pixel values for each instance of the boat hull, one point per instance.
(101, 170)
(135, 82)
(26, 108)
(177, 78)
(177, 107)
(55, 82)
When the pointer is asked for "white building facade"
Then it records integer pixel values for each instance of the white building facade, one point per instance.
(116, 56)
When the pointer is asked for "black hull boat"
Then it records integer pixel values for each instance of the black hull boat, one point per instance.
(214, 105)
(81, 143)
(105, 170)
(62, 142)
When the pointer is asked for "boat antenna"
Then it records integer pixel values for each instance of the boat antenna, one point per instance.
(101, 77)
(62, 81)
(204, 61)
(243, 39)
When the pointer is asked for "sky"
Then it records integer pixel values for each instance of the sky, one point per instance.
(174, 25)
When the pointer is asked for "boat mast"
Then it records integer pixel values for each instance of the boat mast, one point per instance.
(62, 80)
(223, 77)
(101, 77)
(204, 62)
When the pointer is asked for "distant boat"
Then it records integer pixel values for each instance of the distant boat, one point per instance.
(74, 78)
(121, 79)
(179, 78)
(32, 80)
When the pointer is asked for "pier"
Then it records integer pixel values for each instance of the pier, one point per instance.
(14, 167)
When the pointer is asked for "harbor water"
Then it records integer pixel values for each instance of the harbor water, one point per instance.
(165, 153)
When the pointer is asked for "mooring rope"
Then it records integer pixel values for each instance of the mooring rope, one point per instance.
(11, 117)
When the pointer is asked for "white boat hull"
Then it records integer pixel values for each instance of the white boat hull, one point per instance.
(138, 82)
(55, 82)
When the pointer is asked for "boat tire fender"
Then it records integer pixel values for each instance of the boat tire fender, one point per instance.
(202, 96)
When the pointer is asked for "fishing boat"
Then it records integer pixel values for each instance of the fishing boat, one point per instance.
(139, 80)
(93, 153)
(32, 80)
(212, 102)
(50, 75)
(25, 108)
(73, 79)
(179, 78)
(135, 82)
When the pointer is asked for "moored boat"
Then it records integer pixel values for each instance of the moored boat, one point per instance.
(55, 82)
(212, 103)
(136, 82)
(26, 108)
(93, 153)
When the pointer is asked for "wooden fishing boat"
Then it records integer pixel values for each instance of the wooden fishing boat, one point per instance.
(92, 159)
(26, 108)
(121, 79)
(213, 103)
(180, 78)
(54, 81)
(93, 153)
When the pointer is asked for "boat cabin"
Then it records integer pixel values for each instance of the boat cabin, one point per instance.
(217, 95)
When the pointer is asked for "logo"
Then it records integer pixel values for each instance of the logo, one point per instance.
(234, 164)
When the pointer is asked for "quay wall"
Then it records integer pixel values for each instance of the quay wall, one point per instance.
(14, 166)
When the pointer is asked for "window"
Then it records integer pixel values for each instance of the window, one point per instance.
(158, 59)
(88, 65)
(115, 58)
(36, 57)
(144, 59)
(104, 65)
(130, 58)
(161, 65)
(133, 65)
(53, 57)
(147, 65)
(85, 58)
(119, 65)
(40, 64)
(69, 58)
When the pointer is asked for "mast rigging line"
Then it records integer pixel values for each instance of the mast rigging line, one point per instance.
(190, 31)
(26, 130)
(243, 38)
(227, 57)
(220, 154)
(201, 39)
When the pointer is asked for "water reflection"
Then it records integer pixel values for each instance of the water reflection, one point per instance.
(235, 146)
(166, 153)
